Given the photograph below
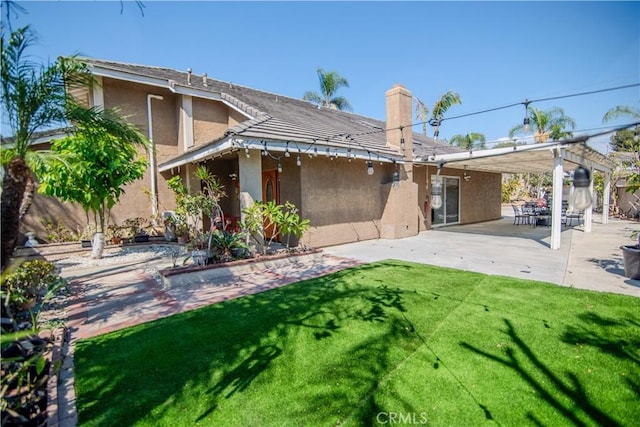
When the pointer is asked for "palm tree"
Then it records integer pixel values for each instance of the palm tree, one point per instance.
(441, 106)
(468, 141)
(621, 111)
(34, 98)
(625, 140)
(421, 114)
(551, 124)
(330, 82)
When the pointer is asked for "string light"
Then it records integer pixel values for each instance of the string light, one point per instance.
(298, 161)
(279, 167)
(433, 122)
(370, 167)
(436, 190)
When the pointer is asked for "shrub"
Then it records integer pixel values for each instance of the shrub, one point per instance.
(57, 232)
(29, 280)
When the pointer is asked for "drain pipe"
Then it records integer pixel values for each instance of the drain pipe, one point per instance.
(152, 159)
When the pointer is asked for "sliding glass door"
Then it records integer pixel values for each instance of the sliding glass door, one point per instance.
(449, 213)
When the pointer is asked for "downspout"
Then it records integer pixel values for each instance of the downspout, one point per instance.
(152, 159)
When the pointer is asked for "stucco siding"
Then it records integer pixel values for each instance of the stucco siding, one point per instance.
(210, 120)
(342, 201)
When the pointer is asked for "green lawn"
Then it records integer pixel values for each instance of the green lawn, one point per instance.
(390, 342)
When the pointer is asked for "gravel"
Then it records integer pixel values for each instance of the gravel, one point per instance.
(120, 256)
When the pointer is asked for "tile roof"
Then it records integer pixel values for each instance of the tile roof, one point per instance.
(282, 118)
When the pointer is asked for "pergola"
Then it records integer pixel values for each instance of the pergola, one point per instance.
(556, 156)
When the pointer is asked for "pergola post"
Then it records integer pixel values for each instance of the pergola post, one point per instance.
(606, 195)
(588, 213)
(556, 208)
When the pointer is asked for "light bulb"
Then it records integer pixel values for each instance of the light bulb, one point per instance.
(286, 153)
(370, 167)
(581, 198)
(246, 152)
(436, 201)
(298, 161)
(436, 194)
(396, 176)
(279, 167)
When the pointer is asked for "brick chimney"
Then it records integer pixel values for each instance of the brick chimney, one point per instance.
(399, 109)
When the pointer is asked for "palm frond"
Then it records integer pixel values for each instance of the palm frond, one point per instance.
(621, 111)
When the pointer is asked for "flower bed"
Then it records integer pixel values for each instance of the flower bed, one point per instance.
(179, 276)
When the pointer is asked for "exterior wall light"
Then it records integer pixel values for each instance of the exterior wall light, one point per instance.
(581, 196)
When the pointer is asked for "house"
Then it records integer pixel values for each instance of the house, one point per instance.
(354, 177)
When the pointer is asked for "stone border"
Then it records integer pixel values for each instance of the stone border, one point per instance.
(198, 274)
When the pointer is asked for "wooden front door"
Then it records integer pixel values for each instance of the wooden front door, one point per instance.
(270, 192)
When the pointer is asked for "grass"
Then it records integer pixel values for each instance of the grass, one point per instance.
(381, 343)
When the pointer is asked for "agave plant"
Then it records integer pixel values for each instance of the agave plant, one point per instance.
(226, 242)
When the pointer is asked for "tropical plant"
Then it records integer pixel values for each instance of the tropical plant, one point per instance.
(34, 98)
(195, 206)
(291, 223)
(27, 282)
(551, 124)
(469, 141)
(226, 242)
(252, 225)
(330, 82)
(626, 141)
(100, 159)
(421, 114)
(440, 107)
(278, 220)
(25, 369)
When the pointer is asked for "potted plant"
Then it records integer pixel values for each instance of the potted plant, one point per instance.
(86, 235)
(228, 245)
(631, 257)
(115, 234)
(135, 229)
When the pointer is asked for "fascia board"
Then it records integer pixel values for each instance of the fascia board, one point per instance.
(163, 83)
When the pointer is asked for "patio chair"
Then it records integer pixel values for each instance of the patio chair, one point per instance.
(577, 215)
(519, 217)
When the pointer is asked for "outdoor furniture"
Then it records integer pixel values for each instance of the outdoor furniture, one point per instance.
(577, 215)
(519, 217)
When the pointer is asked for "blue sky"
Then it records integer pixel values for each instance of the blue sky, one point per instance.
(491, 53)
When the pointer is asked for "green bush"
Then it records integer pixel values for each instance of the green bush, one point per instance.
(29, 281)
(57, 232)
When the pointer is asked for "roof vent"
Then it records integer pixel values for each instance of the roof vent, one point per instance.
(188, 76)
(204, 79)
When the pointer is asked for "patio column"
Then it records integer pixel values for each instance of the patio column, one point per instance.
(588, 213)
(606, 194)
(250, 178)
(556, 208)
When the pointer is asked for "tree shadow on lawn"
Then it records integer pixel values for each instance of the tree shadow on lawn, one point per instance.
(551, 386)
(225, 347)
